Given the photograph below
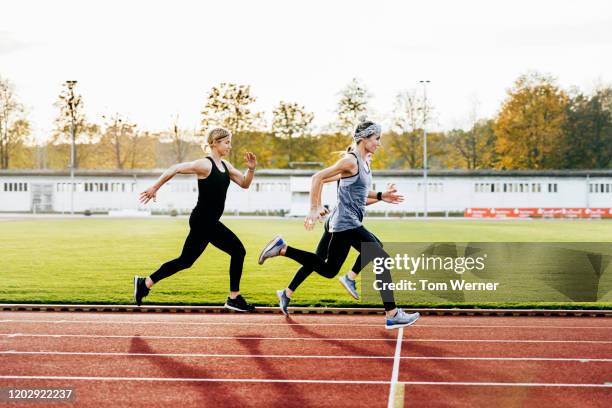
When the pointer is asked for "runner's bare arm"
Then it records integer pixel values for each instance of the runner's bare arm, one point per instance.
(243, 180)
(201, 167)
(389, 196)
(345, 166)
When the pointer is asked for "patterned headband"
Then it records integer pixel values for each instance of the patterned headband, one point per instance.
(373, 129)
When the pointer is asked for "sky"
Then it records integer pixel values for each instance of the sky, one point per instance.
(152, 60)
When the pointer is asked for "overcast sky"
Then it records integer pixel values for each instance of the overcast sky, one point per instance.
(150, 60)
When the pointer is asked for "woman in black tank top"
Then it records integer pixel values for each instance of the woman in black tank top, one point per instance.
(214, 175)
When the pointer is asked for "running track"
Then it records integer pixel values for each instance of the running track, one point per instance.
(158, 360)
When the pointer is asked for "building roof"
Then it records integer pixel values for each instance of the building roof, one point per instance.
(309, 172)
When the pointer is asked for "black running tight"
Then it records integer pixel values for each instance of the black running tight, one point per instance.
(322, 252)
(199, 237)
(338, 248)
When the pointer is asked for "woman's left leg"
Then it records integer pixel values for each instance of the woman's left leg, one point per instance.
(224, 239)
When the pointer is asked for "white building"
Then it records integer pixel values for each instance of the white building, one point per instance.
(286, 191)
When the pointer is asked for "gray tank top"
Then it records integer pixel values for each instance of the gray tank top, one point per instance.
(352, 196)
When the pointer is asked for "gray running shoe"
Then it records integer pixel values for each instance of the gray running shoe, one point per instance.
(401, 319)
(272, 249)
(350, 286)
(283, 301)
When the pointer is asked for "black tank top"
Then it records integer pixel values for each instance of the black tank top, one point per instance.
(211, 194)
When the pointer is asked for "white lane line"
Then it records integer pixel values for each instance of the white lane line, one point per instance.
(509, 341)
(328, 339)
(265, 380)
(110, 336)
(239, 380)
(205, 323)
(505, 384)
(122, 354)
(396, 364)
(556, 359)
(127, 354)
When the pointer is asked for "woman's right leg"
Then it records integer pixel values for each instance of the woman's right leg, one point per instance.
(304, 272)
(338, 250)
(193, 247)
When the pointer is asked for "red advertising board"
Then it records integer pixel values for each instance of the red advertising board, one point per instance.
(538, 212)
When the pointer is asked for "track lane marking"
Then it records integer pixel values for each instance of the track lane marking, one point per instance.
(264, 380)
(175, 379)
(454, 326)
(395, 372)
(506, 384)
(127, 354)
(15, 335)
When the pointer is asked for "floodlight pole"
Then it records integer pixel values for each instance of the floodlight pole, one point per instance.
(71, 106)
(425, 186)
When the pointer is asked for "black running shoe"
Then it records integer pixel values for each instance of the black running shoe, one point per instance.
(140, 289)
(238, 304)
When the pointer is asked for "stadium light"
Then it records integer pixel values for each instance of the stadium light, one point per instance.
(71, 106)
(425, 186)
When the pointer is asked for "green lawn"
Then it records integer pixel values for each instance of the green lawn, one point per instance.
(93, 260)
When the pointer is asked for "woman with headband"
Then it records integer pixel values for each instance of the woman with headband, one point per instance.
(348, 280)
(214, 175)
(345, 222)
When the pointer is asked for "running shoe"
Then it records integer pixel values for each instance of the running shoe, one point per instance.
(238, 304)
(401, 319)
(283, 301)
(350, 285)
(272, 249)
(140, 289)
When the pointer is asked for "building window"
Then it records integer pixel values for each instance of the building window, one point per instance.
(269, 187)
(600, 188)
(16, 187)
(434, 187)
(552, 187)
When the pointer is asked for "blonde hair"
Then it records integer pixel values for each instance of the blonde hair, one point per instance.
(214, 135)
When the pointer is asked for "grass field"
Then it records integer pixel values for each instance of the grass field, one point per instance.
(93, 260)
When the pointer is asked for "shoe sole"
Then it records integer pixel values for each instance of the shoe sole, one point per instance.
(280, 303)
(347, 289)
(136, 289)
(269, 246)
(398, 326)
(235, 308)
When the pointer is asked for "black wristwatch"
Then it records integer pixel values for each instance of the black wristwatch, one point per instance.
(379, 196)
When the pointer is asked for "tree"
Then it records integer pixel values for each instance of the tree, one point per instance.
(290, 121)
(410, 113)
(179, 139)
(352, 105)
(529, 127)
(116, 139)
(476, 146)
(71, 111)
(228, 105)
(588, 131)
(14, 128)
(125, 146)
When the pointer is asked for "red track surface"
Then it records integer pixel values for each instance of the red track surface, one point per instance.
(327, 360)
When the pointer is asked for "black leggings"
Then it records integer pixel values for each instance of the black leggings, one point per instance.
(199, 236)
(322, 251)
(339, 246)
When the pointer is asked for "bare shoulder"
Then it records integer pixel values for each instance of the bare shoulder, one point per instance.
(228, 164)
(202, 167)
(348, 162)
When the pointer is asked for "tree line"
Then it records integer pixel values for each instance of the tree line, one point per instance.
(538, 126)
